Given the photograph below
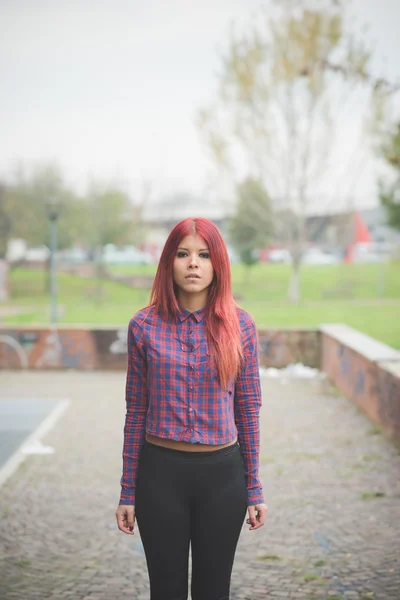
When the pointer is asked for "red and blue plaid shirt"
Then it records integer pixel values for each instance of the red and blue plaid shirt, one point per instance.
(172, 392)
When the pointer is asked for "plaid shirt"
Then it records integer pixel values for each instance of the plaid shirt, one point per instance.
(172, 392)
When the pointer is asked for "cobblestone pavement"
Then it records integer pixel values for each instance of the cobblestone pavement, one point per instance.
(332, 484)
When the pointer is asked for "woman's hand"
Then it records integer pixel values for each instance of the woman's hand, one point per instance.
(125, 514)
(257, 516)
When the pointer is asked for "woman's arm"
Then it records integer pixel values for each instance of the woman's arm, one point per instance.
(247, 408)
(136, 410)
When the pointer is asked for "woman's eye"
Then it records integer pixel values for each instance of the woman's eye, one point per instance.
(181, 254)
(204, 255)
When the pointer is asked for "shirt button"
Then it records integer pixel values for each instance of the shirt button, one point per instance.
(190, 388)
(192, 366)
(190, 409)
(190, 430)
(191, 332)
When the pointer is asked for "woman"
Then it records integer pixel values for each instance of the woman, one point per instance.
(191, 437)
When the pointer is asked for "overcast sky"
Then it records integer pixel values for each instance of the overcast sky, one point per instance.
(110, 88)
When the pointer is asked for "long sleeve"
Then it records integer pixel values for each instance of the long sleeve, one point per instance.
(247, 408)
(136, 410)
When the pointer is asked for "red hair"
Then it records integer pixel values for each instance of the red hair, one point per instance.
(221, 318)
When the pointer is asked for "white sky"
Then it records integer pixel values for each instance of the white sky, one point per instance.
(110, 88)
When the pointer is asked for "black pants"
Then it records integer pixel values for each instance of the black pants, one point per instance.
(196, 498)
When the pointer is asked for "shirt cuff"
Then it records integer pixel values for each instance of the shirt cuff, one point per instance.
(127, 497)
(255, 497)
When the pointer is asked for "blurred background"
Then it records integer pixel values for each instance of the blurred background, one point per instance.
(280, 121)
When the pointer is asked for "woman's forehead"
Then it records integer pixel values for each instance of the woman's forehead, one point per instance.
(193, 241)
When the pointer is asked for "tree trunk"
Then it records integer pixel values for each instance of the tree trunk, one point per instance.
(99, 277)
(294, 286)
(246, 275)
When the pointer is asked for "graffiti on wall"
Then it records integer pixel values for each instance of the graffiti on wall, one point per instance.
(107, 348)
(389, 401)
(374, 388)
(46, 349)
(280, 348)
(120, 345)
(356, 373)
(111, 347)
(51, 354)
(10, 346)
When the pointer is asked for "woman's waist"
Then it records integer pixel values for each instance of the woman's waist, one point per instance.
(185, 445)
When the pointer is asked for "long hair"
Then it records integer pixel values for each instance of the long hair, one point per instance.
(221, 317)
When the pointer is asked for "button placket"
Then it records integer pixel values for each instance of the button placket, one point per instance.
(191, 377)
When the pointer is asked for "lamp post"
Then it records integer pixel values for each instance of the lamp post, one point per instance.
(53, 211)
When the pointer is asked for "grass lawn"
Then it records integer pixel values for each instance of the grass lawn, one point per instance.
(366, 297)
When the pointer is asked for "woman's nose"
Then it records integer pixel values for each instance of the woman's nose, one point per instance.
(193, 261)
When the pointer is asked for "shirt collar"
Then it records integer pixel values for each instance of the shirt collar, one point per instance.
(184, 314)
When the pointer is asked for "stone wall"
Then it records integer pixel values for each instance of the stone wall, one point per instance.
(63, 348)
(105, 348)
(365, 371)
(279, 348)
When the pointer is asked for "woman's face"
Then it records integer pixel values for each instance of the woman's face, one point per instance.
(193, 271)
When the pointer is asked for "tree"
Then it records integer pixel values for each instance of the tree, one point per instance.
(109, 212)
(390, 192)
(251, 226)
(284, 92)
(27, 192)
(5, 222)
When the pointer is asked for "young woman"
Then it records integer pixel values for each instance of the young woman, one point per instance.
(191, 436)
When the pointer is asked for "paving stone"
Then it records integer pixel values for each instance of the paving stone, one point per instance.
(319, 466)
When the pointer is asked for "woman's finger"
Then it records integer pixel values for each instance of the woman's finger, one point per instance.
(252, 520)
(257, 516)
(125, 520)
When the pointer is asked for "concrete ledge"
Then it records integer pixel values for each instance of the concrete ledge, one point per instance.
(366, 371)
(360, 342)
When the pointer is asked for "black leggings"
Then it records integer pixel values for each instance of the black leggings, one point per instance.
(196, 498)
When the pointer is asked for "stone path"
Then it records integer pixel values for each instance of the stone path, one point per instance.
(331, 480)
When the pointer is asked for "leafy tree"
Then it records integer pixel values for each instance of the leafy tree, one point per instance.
(109, 212)
(251, 227)
(27, 193)
(284, 90)
(390, 193)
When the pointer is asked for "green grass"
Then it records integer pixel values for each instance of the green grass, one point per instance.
(320, 563)
(330, 294)
(370, 495)
(311, 577)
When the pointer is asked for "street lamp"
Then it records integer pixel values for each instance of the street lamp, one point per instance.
(53, 208)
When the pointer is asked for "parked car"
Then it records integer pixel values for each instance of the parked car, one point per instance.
(125, 255)
(280, 255)
(316, 256)
(37, 254)
(275, 255)
(371, 252)
(72, 256)
(233, 255)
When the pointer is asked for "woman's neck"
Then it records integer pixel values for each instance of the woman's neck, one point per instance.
(191, 302)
